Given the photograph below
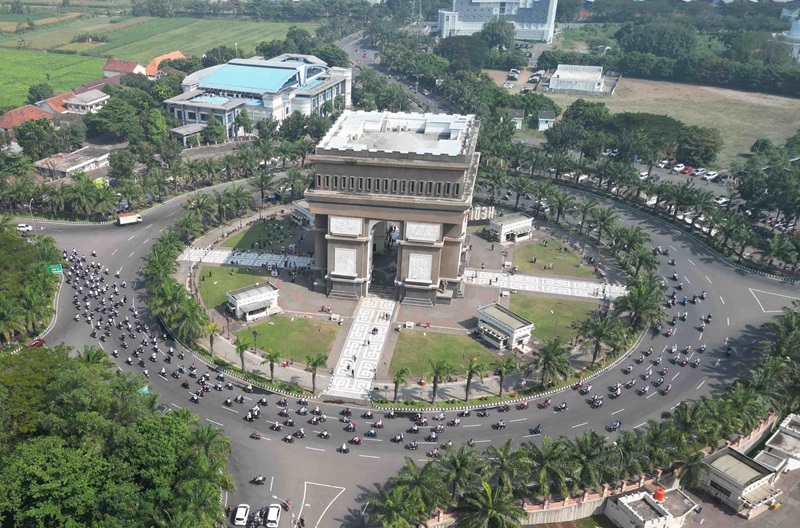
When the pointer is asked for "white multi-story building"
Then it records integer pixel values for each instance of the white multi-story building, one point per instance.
(266, 88)
(532, 19)
(503, 328)
(252, 302)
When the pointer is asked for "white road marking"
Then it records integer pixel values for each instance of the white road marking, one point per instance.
(481, 441)
(729, 321)
(690, 262)
(721, 299)
(726, 340)
(303, 503)
(672, 248)
(114, 253)
(168, 217)
(367, 456)
(176, 406)
(640, 425)
(617, 412)
(472, 425)
(132, 252)
(311, 448)
(101, 345)
(687, 280)
(580, 425)
(215, 423)
(146, 241)
(271, 480)
(703, 383)
(654, 393)
(675, 376)
(717, 363)
(229, 409)
(769, 293)
(131, 238)
(709, 280)
(517, 420)
(367, 438)
(701, 337)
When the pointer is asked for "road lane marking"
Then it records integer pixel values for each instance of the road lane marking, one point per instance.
(721, 299)
(654, 393)
(215, 423)
(617, 412)
(131, 238)
(481, 441)
(580, 425)
(146, 241)
(176, 406)
(311, 448)
(687, 280)
(690, 262)
(672, 248)
(472, 425)
(717, 363)
(366, 456)
(114, 253)
(703, 383)
(640, 425)
(675, 376)
(517, 420)
(701, 337)
(229, 409)
(709, 280)
(272, 480)
(168, 217)
(369, 439)
(132, 252)
(530, 435)
(726, 340)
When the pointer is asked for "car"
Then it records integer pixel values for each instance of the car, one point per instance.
(526, 90)
(610, 152)
(533, 79)
(687, 169)
(273, 517)
(698, 172)
(678, 167)
(644, 175)
(710, 176)
(36, 343)
(23, 228)
(722, 201)
(508, 85)
(241, 514)
(663, 164)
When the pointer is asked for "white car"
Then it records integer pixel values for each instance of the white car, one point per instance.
(722, 201)
(710, 175)
(643, 175)
(663, 163)
(508, 85)
(679, 167)
(273, 516)
(241, 515)
(24, 227)
(698, 172)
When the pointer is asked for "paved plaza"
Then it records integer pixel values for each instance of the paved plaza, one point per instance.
(244, 258)
(358, 362)
(572, 288)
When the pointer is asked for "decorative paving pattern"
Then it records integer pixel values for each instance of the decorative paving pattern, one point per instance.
(244, 258)
(355, 371)
(591, 290)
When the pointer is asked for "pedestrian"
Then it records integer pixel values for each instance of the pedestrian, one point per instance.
(483, 265)
(348, 367)
(492, 248)
(353, 373)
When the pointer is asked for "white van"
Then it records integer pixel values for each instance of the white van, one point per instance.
(273, 516)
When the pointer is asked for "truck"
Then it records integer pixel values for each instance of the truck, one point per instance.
(129, 218)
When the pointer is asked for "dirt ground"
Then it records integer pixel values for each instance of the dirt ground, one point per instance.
(741, 117)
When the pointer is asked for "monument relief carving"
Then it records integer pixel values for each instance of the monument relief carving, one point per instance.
(422, 231)
(344, 262)
(342, 225)
(419, 267)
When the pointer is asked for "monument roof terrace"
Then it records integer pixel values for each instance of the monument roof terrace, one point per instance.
(419, 136)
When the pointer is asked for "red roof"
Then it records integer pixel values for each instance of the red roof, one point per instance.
(98, 84)
(121, 66)
(152, 68)
(57, 101)
(20, 115)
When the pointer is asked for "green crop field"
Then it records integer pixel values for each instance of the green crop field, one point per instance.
(20, 69)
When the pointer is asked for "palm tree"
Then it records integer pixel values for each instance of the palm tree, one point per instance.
(474, 368)
(661, 447)
(541, 192)
(247, 160)
(746, 404)
(425, 483)
(489, 508)
(777, 247)
(105, 200)
(693, 468)
(533, 157)
(82, 193)
(549, 466)
(493, 181)
(643, 300)
(440, 369)
(296, 180)
(241, 347)
(600, 330)
(644, 258)
(228, 164)
(586, 209)
(211, 328)
(507, 464)
(605, 218)
(394, 507)
(460, 466)
(271, 357)
(562, 202)
(93, 355)
(630, 449)
(521, 185)
(263, 181)
(506, 366)
(552, 362)
(686, 422)
(210, 442)
(588, 453)
(400, 377)
(314, 363)
(194, 169)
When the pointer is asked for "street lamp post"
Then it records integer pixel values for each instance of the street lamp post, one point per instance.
(33, 220)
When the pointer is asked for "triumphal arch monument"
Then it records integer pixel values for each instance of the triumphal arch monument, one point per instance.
(391, 198)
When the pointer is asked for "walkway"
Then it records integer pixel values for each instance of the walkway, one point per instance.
(233, 257)
(361, 354)
(573, 288)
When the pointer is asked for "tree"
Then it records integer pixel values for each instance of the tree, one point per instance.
(243, 121)
(589, 115)
(493, 180)
(425, 484)
(552, 362)
(211, 329)
(600, 330)
(241, 348)
(394, 507)
(400, 377)
(121, 163)
(271, 357)
(474, 368)
(561, 202)
(549, 466)
(586, 208)
(663, 39)
(508, 464)
(644, 258)
(505, 367)
(214, 132)
(692, 470)
(777, 247)
(606, 219)
(588, 453)
(39, 92)
(498, 33)
(460, 465)
(156, 126)
(36, 137)
(440, 369)
(293, 127)
(313, 363)
(643, 300)
(489, 508)
(698, 146)
(464, 52)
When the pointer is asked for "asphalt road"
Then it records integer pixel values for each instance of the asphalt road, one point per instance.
(325, 485)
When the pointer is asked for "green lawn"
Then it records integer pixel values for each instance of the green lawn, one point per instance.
(550, 325)
(265, 235)
(565, 264)
(415, 350)
(213, 289)
(19, 69)
(294, 338)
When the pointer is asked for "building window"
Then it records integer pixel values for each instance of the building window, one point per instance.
(352, 183)
(720, 489)
(179, 115)
(447, 188)
(219, 118)
(203, 117)
(411, 187)
(335, 182)
(402, 186)
(361, 184)
(438, 188)
(191, 116)
(430, 188)
(457, 191)
(369, 184)
(319, 181)
(421, 188)
(386, 185)
(327, 181)
(394, 186)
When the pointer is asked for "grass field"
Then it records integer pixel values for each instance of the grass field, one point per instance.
(57, 35)
(563, 263)
(213, 289)
(294, 338)
(415, 350)
(20, 69)
(548, 325)
(269, 233)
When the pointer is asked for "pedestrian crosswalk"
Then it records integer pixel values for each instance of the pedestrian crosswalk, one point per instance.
(231, 257)
(572, 288)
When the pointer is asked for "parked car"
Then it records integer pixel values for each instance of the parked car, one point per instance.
(710, 175)
(643, 175)
(678, 167)
(273, 517)
(722, 201)
(610, 152)
(508, 85)
(36, 343)
(525, 90)
(241, 514)
(24, 228)
(698, 172)
(663, 164)
(687, 169)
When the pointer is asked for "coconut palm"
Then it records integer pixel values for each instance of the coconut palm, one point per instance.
(474, 368)
(297, 181)
(506, 366)
(686, 423)
(552, 362)
(644, 258)
(425, 483)
(187, 321)
(602, 330)
(492, 180)
(718, 422)
(630, 454)
(561, 202)
(460, 466)
(440, 369)
(211, 329)
(313, 363)
(247, 160)
(659, 438)
(521, 185)
(507, 464)
(643, 300)
(586, 208)
(550, 466)
(241, 348)
(541, 192)
(271, 357)
(589, 454)
(263, 181)
(82, 193)
(693, 468)
(395, 508)
(400, 377)
(533, 157)
(93, 356)
(489, 507)
(210, 442)
(746, 404)
(777, 247)
(605, 219)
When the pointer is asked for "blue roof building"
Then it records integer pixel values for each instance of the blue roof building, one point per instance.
(266, 88)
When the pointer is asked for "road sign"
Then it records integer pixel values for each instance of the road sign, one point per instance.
(55, 269)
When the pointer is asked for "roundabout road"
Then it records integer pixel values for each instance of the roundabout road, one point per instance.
(326, 484)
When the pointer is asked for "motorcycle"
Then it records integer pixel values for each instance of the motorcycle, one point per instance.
(412, 446)
(522, 406)
(537, 430)
(276, 427)
(499, 425)
(614, 426)
(258, 481)
(483, 413)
